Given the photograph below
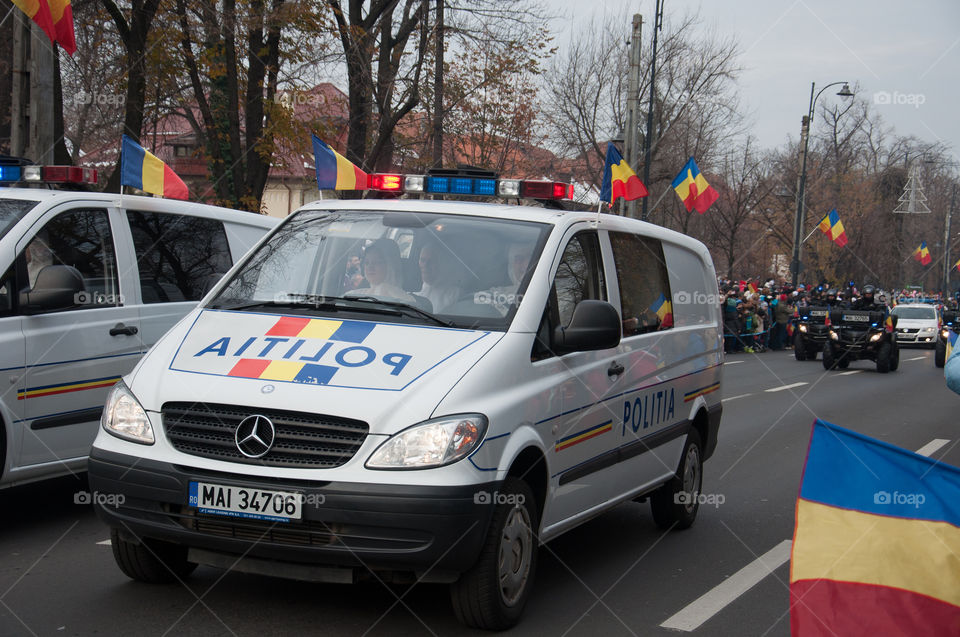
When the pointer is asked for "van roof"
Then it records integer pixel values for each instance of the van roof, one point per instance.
(511, 212)
(150, 204)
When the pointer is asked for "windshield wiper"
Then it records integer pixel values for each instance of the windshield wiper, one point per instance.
(404, 308)
(335, 303)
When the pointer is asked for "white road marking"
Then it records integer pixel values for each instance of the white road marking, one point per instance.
(782, 387)
(917, 358)
(932, 446)
(727, 591)
(732, 362)
(723, 400)
(852, 371)
(104, 543)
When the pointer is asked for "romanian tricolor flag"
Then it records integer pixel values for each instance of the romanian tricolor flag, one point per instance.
(752, 287)
(888, 324)
(693, 189)
(831, 226)
(334, 171)
(664, 311)
(876, 547)
(619, 180)
(55, 17)
(957, 264)
(921, 254)
(140, 169)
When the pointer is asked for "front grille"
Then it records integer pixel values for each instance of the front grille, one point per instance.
(908, 330)
(303, 440)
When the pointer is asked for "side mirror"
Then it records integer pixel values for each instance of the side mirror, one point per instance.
(595, 325)
(56, 288)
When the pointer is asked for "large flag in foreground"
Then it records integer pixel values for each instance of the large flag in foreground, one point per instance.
(55, 18)
(693, 189)
(922, 254)
(876, 548)
(139, 168)
(831, 226)
(619, 180)
(334, 171)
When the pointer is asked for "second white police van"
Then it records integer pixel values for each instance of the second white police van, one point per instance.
(425, 390)
(88, 283)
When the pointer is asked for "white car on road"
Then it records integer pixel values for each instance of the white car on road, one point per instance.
(917, 323)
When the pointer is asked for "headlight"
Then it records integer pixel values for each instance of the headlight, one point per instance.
(929, 330)
(945, 333)
(875, 338)
(803, 328)
(833, 335)
(125, 418)
(433, 443)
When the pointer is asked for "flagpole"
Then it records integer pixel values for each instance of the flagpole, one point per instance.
(654, 207)
(811, 233)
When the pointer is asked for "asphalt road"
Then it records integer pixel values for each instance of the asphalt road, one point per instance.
(616, 575)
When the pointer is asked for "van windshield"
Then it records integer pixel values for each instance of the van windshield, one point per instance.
(411, 267)
(915, 312)
(12, 211)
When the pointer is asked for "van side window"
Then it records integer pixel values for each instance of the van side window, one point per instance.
(179, 257)
(6, 293)
(579, 277)
(644, 286)
(80, 239)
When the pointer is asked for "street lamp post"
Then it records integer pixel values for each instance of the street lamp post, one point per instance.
(798, 222)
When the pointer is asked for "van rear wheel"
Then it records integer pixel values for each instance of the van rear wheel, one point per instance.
(676, 503)
(156, 563)
(493, 593)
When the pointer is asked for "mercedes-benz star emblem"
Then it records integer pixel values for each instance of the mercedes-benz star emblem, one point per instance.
(254, 436)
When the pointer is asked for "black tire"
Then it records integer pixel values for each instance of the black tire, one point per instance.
(894, 356)
(481, 597)
(940, 355)
(884, 354)
(829, 361)
(799, 348)
(158, 563)
(675, 504)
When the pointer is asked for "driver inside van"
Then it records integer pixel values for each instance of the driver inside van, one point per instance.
(38, 255)
(438, 270)
(381, 268)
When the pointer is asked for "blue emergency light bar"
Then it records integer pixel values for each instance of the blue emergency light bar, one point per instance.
(10, 173)
(470, 186)
(16, 174)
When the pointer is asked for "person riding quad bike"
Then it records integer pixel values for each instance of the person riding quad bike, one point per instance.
(866, 301)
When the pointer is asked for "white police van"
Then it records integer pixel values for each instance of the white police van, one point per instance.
(489, 378)
(88, 282)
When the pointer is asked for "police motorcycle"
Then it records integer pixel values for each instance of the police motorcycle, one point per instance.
(862, 334)
(949, 323)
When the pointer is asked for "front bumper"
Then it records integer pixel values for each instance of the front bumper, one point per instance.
(916, 337)
(366, 527)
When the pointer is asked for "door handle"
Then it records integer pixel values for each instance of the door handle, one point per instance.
(615, 369)
(120, 328)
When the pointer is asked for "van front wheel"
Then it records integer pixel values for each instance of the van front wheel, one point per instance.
(158, 563)
(493, 593)
(676, 503)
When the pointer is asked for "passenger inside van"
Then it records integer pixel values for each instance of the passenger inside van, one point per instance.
(382, 268)
(438, 271)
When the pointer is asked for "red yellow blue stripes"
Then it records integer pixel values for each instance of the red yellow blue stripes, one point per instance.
(582, 436)
(142, 170)
(702, 391)
(619, 180)
(64, 388)
(664, 310)
(334, 171)
(55, 18)
(831, 226)
(693, 189)
(922, 254)
(876, 545)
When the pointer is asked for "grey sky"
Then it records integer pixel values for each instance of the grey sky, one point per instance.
(905, 57)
